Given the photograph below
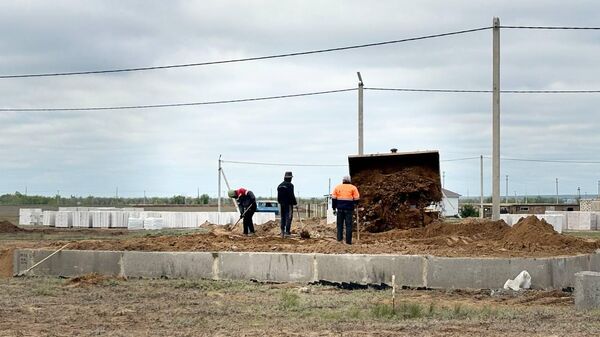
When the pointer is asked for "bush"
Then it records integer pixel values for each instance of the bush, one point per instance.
(468, 211)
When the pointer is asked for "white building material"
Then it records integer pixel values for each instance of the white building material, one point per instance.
(100, 219)
(64, 219)
(49, 218)
(135, 223)
(82, 219)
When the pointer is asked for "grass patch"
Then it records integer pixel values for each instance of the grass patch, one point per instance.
(289, 300)
(412, 310)
(584, 234)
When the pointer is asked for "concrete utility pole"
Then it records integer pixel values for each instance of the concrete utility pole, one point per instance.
(360, 114)
(481, 186)
(599, 189)
(496, 120)
(117, 192)
(443, 179)
(145, 197)
(506, 199)
(578, 194)
(556, 190)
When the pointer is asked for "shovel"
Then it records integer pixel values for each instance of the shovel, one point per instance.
(241, 217)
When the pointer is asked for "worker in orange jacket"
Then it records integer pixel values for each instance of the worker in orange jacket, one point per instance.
(343, 199)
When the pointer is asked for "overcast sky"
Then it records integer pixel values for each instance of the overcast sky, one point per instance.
(175, 150)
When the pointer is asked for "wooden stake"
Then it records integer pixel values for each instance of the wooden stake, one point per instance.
(394, 292)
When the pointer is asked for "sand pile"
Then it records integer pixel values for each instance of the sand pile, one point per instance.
(8, 227)
(396, 200)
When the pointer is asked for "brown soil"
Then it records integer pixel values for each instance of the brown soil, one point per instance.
(397, 200)
(8, 227)
(90, 279)
(6, 265)
(472, 237)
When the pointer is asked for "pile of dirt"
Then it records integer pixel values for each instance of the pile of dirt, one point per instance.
(90, 279)
(8, 227)
(535, 234)
(397, 200)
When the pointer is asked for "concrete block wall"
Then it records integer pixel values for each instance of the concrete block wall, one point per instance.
(578, 220)
(410, 270)
(30, 216)
(587, 290)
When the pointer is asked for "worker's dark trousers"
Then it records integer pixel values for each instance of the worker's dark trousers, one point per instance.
(287, 214)
(344, 216)
(248, 225)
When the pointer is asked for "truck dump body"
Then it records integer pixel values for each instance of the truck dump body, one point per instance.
(396, 188)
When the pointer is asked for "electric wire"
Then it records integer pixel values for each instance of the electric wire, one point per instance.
(150, 106)
(280, 164)
(246, 59)
(551, 27)
(576, 91)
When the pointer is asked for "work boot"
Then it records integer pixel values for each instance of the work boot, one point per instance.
(282, 235)
(288, 234)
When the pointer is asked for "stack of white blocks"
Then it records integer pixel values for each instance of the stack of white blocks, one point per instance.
(576, 220)
(30, 216)
(84, 217)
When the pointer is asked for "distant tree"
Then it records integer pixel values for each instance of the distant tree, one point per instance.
(204, 198)
(178, 200)
(468, 211)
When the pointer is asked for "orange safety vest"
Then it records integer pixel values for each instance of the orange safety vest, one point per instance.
(344, 196)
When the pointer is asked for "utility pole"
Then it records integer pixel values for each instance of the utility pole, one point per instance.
(360, 114)
(443, 179)
(506, 199)
(117, 193)
(219, 188)
(598, 189)
(556, 190)
(198, 194)
(496, 119)
(481, 186)
(578, 194)
(57, 197)
(145, 197)
(516, 201)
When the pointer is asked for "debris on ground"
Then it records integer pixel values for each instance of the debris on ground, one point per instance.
(522, 281)
(91, 279)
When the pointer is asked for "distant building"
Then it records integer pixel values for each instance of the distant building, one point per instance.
(449, 203)
(528, 208)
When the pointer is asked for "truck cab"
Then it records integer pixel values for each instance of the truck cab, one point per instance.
(267, 206)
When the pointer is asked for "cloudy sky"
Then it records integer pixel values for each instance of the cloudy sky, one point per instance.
(171, 151)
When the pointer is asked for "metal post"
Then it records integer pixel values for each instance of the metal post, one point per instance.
(360, 114)
(219, 188)
(496, 120)
(481, 209)
(556, 190)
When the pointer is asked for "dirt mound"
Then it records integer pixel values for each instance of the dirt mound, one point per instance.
(8, 227)
(90, 279)
(535, 234)
(397, 200)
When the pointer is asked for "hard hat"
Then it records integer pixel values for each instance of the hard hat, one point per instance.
(346, 179)
(232, 193)
(288, 174)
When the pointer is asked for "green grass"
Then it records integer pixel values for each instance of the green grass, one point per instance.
(584, 234)
(289, 300)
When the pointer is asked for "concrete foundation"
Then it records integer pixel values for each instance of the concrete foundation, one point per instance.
(410, 270)
(587, 290)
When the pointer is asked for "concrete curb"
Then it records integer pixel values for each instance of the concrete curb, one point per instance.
(410, 270)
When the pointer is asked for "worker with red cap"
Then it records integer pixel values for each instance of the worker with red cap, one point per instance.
(247, 204)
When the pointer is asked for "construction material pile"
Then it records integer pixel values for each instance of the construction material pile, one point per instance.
(397, 200)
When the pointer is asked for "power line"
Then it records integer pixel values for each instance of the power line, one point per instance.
(280, 164)
(552, 161)
(178, 104)
(487, 91)
(246, 59)
(459, 159)
(551, 27)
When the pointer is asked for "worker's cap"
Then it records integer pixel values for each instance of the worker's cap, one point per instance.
(346, 179)
(232, 193)
(288, 174)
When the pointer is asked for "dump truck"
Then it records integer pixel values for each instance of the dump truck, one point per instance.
(396, 188)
